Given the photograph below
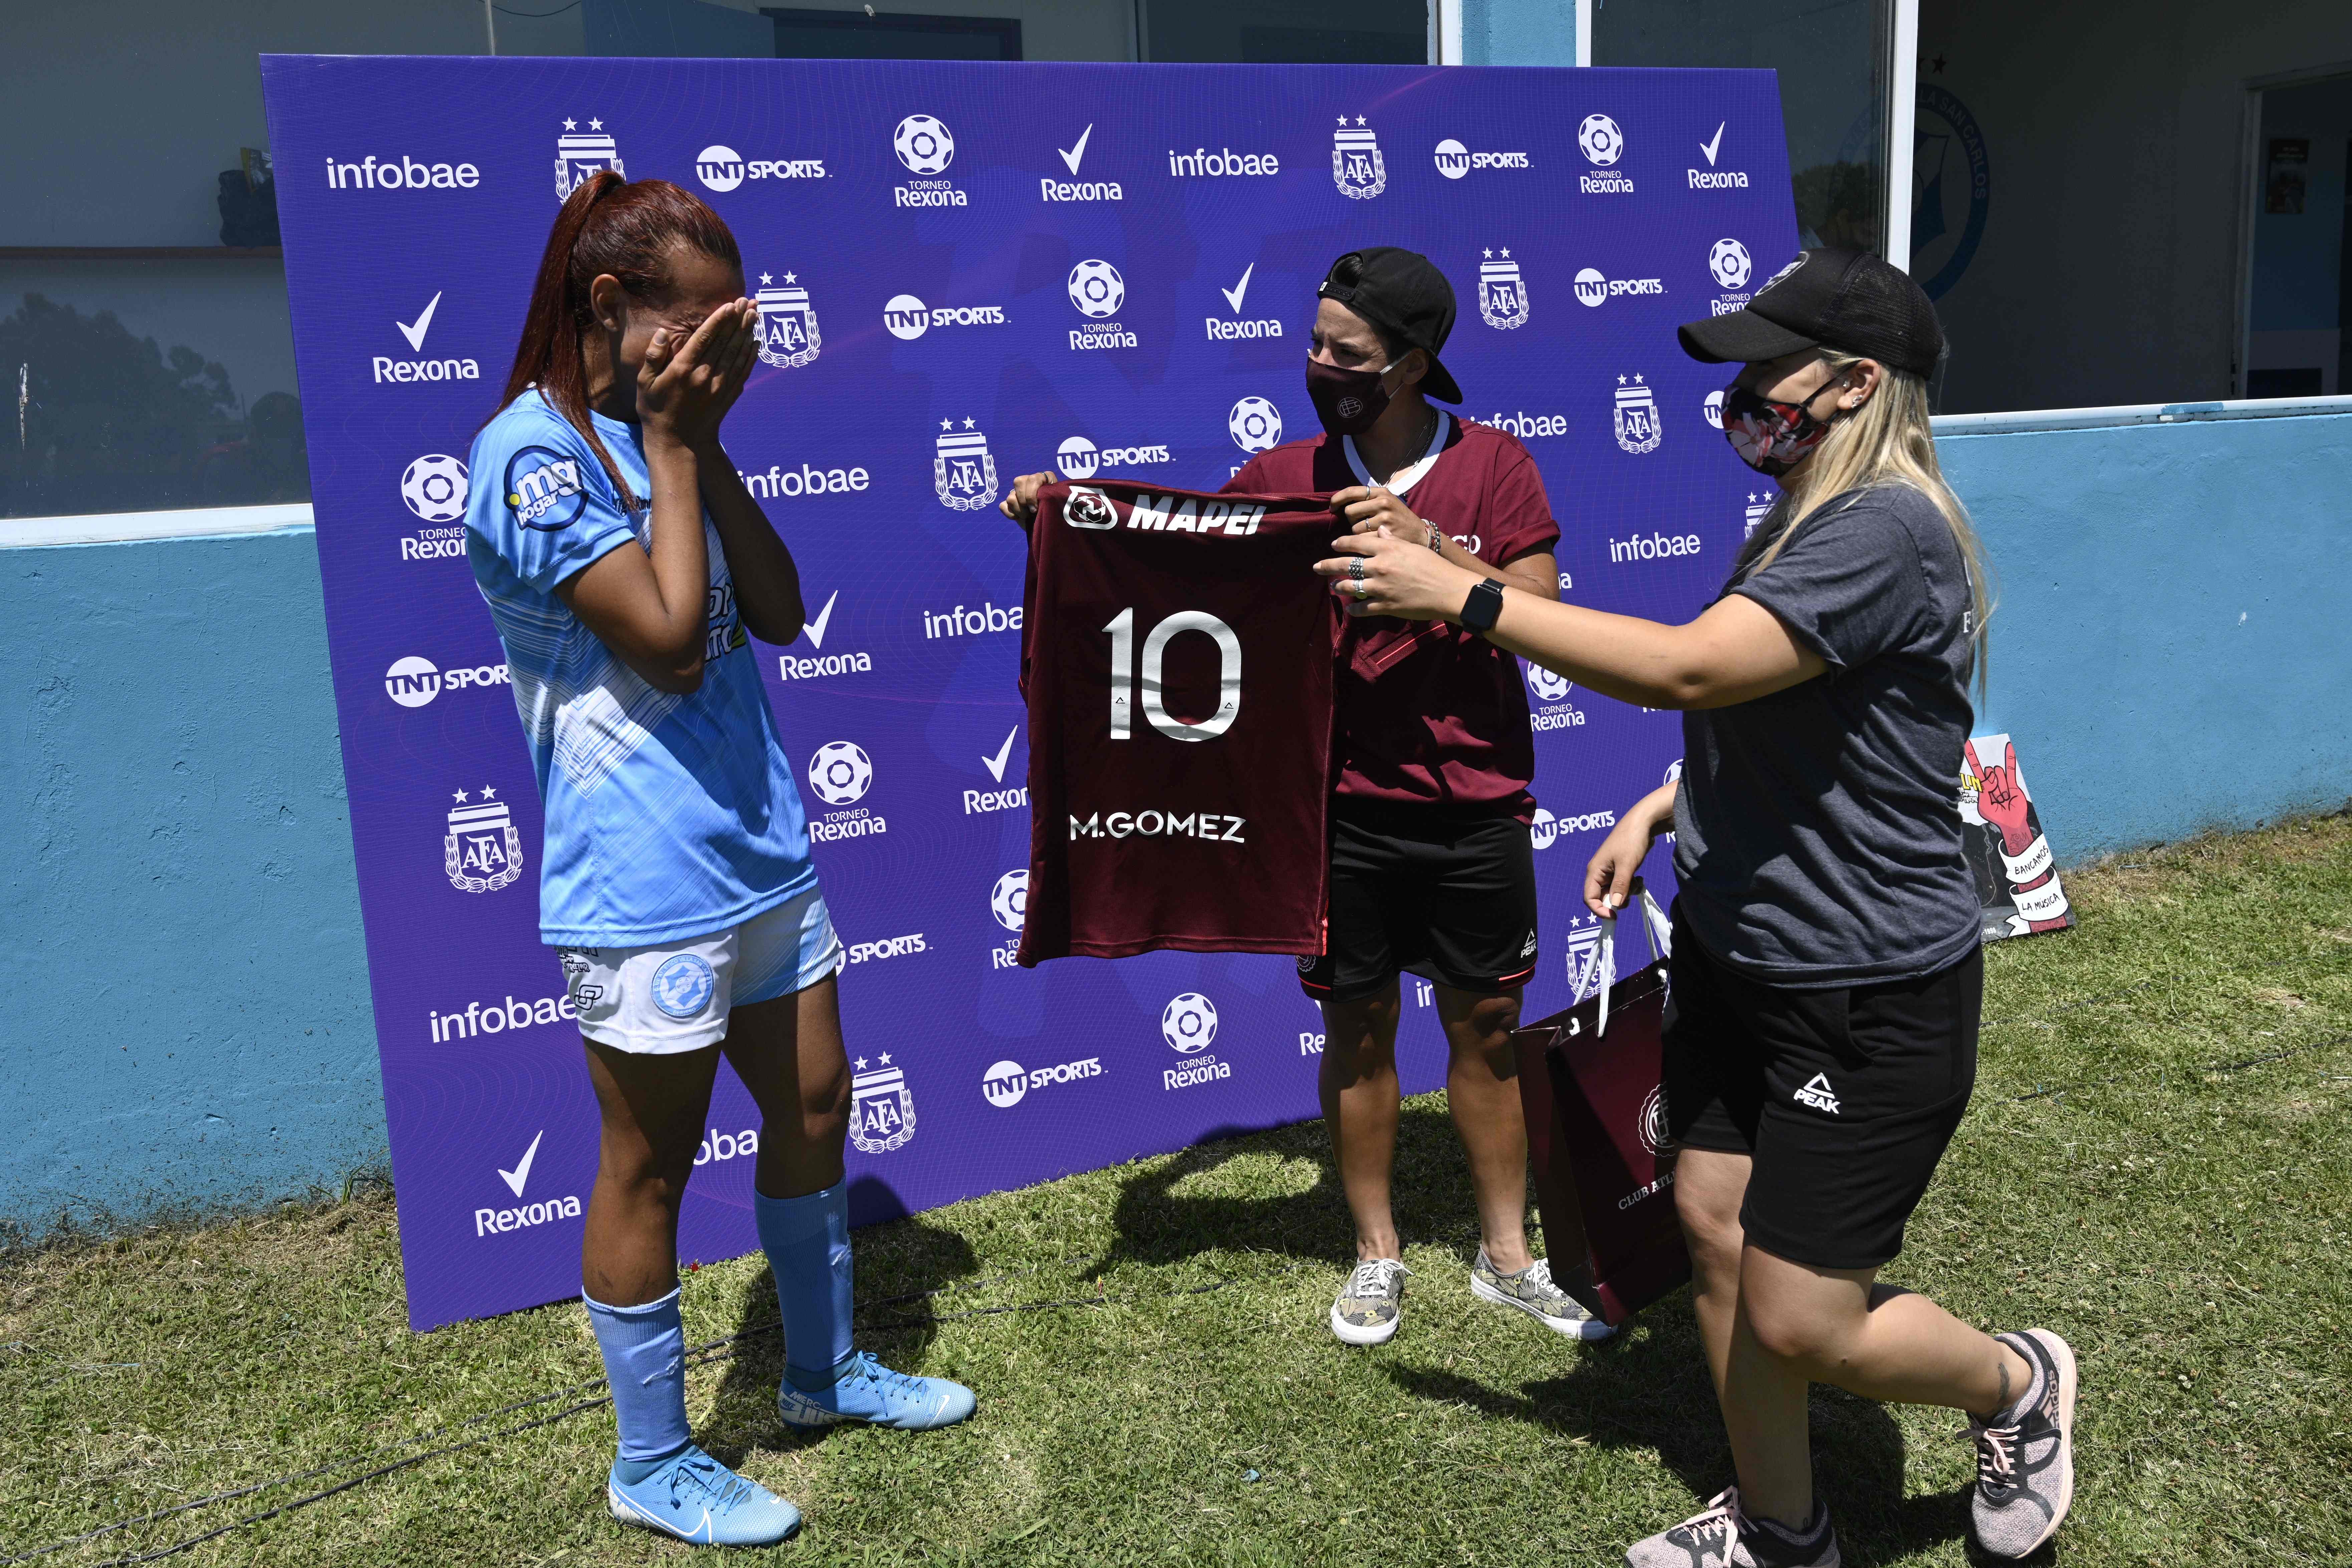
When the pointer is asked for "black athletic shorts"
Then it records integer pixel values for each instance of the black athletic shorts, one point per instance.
(1844, 1097)
(1440, 893)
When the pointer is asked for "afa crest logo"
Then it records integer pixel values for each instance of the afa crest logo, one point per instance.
(1502, 292)
(788, 333)
(962, 470)
(580, 154)
(1356, 166)
(1639, 428)
(482, 852)
(881, 1107)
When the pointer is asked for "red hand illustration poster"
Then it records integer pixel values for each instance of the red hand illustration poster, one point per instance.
(2017, 877)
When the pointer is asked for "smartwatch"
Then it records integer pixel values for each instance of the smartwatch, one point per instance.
(1484, 604)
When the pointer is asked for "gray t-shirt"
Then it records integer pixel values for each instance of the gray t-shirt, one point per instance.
(1817, 830)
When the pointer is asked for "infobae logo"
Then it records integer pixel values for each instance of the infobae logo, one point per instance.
(415, 681)
(720, 169)
(401, 173)
(1594, 290)
(1223, 163)
(1454, 161)
(497, 1018)
(1602, 143)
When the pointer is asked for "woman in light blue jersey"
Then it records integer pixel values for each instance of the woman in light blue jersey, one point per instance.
(625, 563)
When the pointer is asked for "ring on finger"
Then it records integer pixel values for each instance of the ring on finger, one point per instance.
(1356, 568)
(1363, 589)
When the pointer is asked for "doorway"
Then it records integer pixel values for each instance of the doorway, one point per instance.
(2299, 292)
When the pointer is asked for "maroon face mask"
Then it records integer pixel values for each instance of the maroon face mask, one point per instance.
(1349, 402)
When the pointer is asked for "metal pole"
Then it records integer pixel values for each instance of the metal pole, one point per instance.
(1584, 32)
(1902, 122)
(489, 19)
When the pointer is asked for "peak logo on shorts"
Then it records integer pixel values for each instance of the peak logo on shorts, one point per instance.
(546, 489)
(1356, 166)
(1454, 161)
(719, 169)
(1594, 290)
(909, 318)
(1602, 143)
(788, 332)
(1712, 178)
(415, 681)
(402, 174)
(1254, 425)
(1728, 264)
(1635, 417)
(580, 154)
(926, 146)
(962, 473)
(1502, 291)
(881, 1106)
(1007, 1083)
(482, 851)
(1079, 458)
(1818, 1094)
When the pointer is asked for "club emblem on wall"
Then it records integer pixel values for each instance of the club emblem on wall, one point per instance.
(580, 154)
(1636, 414)
(787, 334)
(1356, 166)
(482, 852)
(881, 1107)
(963, 471)
(1502, 292)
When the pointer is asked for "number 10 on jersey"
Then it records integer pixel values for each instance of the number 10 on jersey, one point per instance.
(1155, 655)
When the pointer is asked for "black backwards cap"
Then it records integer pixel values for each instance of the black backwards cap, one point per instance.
(1404, 294)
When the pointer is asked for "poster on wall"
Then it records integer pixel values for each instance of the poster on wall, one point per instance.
(2018, 887)
(964, 272)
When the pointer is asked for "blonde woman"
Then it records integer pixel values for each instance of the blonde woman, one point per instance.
(1821, 1043)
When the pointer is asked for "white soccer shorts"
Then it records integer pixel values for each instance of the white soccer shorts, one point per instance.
(676, 996)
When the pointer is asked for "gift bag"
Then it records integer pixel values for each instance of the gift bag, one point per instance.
(1590, 1084)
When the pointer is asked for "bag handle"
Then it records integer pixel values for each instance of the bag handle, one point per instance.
(1602, 961)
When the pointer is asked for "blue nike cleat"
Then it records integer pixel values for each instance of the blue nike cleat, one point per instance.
(695, 1498)
(868, 1391)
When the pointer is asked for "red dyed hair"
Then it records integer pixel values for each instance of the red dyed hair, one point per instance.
(607, 224)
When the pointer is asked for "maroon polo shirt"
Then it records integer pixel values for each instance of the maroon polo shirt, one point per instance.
(1427, 714)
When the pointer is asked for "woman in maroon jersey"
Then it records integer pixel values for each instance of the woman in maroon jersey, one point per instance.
(1432, 869)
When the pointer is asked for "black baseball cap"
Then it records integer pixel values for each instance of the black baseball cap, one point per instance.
(1404, 294)
(1845, 299)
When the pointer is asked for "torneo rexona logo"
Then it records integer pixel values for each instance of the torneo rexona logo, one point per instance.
(787, 334)
(1356, 166)
(1189, 1023)
(1009, 899)
(962, 473)
(434, 487)
(683, 984)
(545, 490)
(1502, 291)
(1549, 686)
(482, 851)
(1600, 139)
(923, 144)
(1728, 263)
(1097, 289)
(579, 154)
(840, 773)
(1255, 425)
(1088, 508)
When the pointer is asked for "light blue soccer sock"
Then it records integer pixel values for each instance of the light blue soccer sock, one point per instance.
(807, 1243)
(645, 1361)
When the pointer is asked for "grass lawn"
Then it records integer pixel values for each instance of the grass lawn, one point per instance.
(2158, 1165)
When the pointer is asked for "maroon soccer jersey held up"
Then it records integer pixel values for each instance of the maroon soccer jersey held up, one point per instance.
(1176, 657)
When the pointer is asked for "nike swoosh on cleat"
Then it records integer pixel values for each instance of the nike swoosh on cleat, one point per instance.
(521, 1173)
(815, 628)
(1709, 147)
(1073, 156)
(415, 334)
(1234, 295)
(996, 762)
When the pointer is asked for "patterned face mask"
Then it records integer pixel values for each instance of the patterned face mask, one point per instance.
(1771, 437)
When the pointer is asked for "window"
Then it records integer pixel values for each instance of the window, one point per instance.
(2301, 270)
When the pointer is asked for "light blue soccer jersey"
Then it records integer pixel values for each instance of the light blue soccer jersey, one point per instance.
(667, 815)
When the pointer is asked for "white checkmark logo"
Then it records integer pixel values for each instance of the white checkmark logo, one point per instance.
(815, 628)
(1235, 294)
(515, 1178)
(415, 334)
(996, 762)
(1074, 156)
(1709, 146)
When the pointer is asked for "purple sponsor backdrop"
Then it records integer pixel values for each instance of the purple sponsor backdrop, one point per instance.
(967, 271)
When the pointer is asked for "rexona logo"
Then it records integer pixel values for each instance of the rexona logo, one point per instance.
(1007, 1083)
(1552, 710)
(841, 661)
(580, 154)
(1528, 426)
(1222, 163)
(1502, 291)
(1593, 289)
(881, 1107)
(841, 772)
(1635, 417)
(401, 173)
(402, 372)
(909, 318)
(1602, 144)
(977, 802)
(498, 1221)
(962, 473)
(1711, 408)
(1096, 290)
(482, 851)
(1454, 161)
(1255, 425)
(720, 169)
(415, 681)
(1220, 331)
(1189, 1023)
(1074, 189)
(788, 332)
(1356, 166)
(887, 947)
(1079, 458)
(926, 146)
(1712, 178)
(1728, 264)
(1652, 547)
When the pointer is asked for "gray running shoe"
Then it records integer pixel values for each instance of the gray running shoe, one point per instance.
(1371, 1303)
(2025, 1459)
(1532, 1292)
(1724, 1537)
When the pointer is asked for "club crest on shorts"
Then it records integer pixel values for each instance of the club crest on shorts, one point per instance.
(482, 851)
(1502, 292)
(881, 1107)
(1639, 429)
(683, 985)
(787, 334)
(1650, 1121)
(580, 154)
(962, 470)
(1356, 166)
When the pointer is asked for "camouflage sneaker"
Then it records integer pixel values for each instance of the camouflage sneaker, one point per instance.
(1532, 1292)
(2025, 1455)
(1370, 1303)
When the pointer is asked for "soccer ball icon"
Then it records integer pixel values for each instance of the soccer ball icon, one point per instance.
(840, 773)
(434, 487)
(1548, 686)
(1189, 1023)
(1097, 289)
(1256, 425)
(1009, 901)
(1601, 139)
(1728, 260)
(924, 144)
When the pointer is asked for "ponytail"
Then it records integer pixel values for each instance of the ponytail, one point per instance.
(607, 225)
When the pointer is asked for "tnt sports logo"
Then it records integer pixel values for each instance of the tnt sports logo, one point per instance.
(1600, 139)
(434, 487)
(1255, 425)
(788, 332)
(579, 154)
(1079, 458)
(413, 681)
(684, 985)
(909, 318)
(545, 490)
(1356, 166)
(719, 169)
(1097, 289)
(1088, 508)
(1543, 828)
(1009, 899)
(1712, 408)
(1008, 1082)
(1593, 290)
(1728, 264)
(840, 773)
(1454, 161)
(962, 473)
(1638, 428)
(1502, 292)
(1189, 1023)
(881, 1107)
(482, 851)
(924, 144)
(1549, 686)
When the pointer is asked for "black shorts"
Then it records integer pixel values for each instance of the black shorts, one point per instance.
(1845, 1097)
(1420, 889)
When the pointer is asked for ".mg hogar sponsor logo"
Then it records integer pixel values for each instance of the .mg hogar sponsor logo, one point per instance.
(546, 489)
